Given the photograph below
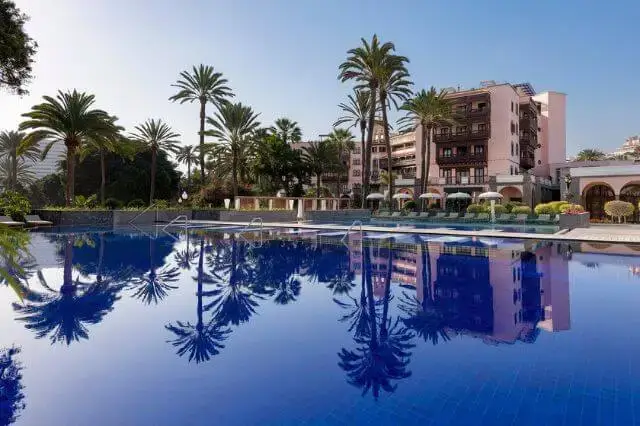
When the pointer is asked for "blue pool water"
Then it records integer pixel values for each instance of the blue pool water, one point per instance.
(218, 328)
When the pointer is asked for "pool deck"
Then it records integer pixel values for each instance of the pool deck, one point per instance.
(598, 233)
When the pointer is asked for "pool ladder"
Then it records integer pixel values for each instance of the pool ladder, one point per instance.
(355, 222)
(255, 220)
(175, 220)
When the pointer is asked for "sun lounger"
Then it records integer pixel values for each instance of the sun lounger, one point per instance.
(452, 216)
(424, 215)
(384, 214)
(483, 217)
(439, 216)
(396, 214)
(504, 217)
(7, 221)
(412, 214)
(469, 216)
(542, 218)
(556, 219)
(521, 217)
(34, 220)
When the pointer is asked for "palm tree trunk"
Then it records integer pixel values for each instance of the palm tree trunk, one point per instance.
(428, 160)
(367, 152)
(13, 180)
(234, 172)
(103, 175)
(100, 259)
(363, 126)
(189, 173)
(387, 141)
(318, 185)
(423, 165)
(370, 302)
(387, 294)
(154, 156)
(200, 279)
(203, 104)
(71, 172)
(67, 278)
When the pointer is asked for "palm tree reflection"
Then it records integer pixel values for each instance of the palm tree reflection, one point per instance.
(154, 285)
(201, 341)
(11, 395)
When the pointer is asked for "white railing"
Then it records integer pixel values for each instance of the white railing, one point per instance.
(355, 222)
(143, 212)
(175, 221)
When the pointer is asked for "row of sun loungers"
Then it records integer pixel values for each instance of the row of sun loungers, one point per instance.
(475, 217)
(30, 220)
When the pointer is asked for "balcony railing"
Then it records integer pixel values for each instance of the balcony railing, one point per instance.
(478, 112)
(463, 180)
(527, 160)
(461, 136)
(462, 158)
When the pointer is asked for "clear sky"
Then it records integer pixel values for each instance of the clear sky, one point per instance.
(282, 56)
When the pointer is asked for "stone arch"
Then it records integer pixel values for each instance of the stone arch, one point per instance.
(594, 197)
(630, 192)
(511, 193)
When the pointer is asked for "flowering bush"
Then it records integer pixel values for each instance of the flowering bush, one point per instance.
(557, 205)
(544, 208)
(619, 209)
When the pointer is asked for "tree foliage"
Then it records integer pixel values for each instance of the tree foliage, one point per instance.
(17, 49)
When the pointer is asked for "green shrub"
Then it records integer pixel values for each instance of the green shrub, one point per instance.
(136, 203)
(14, 205)
(571, 208)
(82, 202)
(161, 204)
(544, 208)
(113, 203)
(555, 205)
(475, 208)
(410, 205)
(619, 209)
(498, 208)
(521, 210)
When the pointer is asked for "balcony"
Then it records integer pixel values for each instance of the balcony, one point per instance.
(527, 160)
(461, 159)
(461, 136)
(478, 112)
(501, 179)
(463, 180)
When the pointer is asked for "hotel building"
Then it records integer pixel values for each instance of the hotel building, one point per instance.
(504, 139)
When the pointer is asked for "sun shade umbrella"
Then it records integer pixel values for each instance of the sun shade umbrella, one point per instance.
(458, 196)
(375, 196)
(490, 196)
(401, 196)
(430, 196)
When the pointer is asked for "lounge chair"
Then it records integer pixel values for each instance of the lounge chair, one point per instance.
(542, 218)
(452, 216)
(424, 215)
(34, 220)
(556, 219)
(396, 214)
(384, 214)
(7, 221)
(483, 217)
(504, 217)
(468, 216)
(412, 214)
(522, 217)
(439, 216)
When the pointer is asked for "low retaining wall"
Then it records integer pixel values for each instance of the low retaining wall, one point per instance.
(71, 217)
(266, 215)
(570, 221)
(338, 215)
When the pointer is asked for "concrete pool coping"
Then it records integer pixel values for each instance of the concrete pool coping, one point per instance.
(621, 235)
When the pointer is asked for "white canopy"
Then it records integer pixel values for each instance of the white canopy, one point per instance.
(490, 196)
(401, 196)
(430, 195)
(375, 196)
(458, 196)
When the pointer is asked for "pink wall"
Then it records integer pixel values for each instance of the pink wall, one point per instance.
(500, 158)
(554, 129)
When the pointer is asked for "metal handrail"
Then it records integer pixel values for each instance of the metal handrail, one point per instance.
(246, 228)
(252, 221)
(142, 212)
(175, 219)
(355, 222)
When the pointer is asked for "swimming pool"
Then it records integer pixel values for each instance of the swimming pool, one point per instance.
(287, 328)
(528, 228)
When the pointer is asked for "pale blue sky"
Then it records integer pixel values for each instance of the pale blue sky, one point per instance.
(281, 56)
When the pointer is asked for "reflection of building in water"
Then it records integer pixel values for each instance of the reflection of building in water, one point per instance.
(500, 294)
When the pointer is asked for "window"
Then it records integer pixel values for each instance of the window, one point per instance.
(482, 127)
(517, 108)
(382, 149)
(356, 172)
(478, 174)
(462, 150)
(445, 173)
(517, 149)
(511, 148)
(444, 131)
(447, 152)
(356, 151)
(511, 170)
(356, 162)
(513, 128)
(511, 106)
(478, 149)
(460, 130)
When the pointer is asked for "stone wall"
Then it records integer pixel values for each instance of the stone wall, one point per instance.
(338, 215)
(570, 221)
(266, 215)
(71, 217)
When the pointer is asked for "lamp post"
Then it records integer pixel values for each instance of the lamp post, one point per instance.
(567, 181)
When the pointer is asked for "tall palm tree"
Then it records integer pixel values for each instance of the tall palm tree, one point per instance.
(234, 125)
(67, 118)
(155, 135)
(590, 155)
(287, 130)
(204, 85)
(356, 111)
(320, 158)
(200, 340)
(426, 110)
(188, 155)
(103, 143)
(14, 175)
(10, 142)
(375, 67)
(343, 141)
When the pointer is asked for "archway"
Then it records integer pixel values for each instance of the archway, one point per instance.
(434, 202)
(595, 197)
(511, 193)
(631, 194)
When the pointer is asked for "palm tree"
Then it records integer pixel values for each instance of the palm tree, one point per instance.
(320, 157)
(286, 130)
(204, 85)
(375, 67)
(154, 285)
(14, 175)
(201, 340)
(356, 111)
(68, 118)
(590, 155)
(234, 125)
(10, 142)
(155, 135)
(103, 143)
(343, 141)
(426, 110)
(188, 155)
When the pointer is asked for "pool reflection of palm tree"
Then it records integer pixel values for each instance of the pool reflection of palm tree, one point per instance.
(154, 285)
(11, 395)
(232, 277)
(201, 341)
(63, 315)
(422, 316)
(17, 265)
(380, 358)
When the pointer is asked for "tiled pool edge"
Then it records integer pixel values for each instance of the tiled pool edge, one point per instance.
(578, 234)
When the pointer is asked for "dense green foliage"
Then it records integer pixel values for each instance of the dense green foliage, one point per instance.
(521, 210)
(14, 205)
(17, 49)
(410, 205)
